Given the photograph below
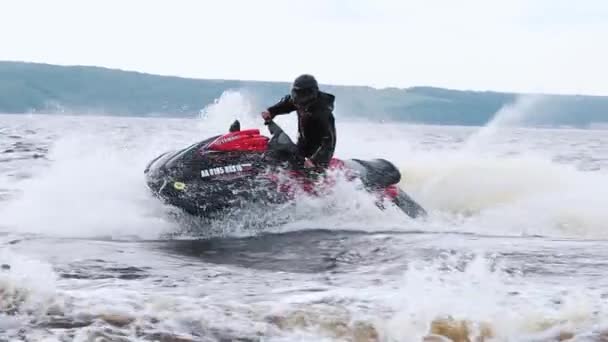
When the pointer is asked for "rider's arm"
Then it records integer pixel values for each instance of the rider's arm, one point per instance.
(284, 106)
(324, 153)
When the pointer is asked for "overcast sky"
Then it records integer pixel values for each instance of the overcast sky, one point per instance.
(551, 46)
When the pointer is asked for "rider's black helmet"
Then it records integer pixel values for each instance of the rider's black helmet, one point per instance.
(304, 90)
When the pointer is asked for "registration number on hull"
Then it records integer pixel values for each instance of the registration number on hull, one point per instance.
(216, 171)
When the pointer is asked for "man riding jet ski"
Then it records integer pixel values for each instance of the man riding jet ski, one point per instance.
(316, 124)
(233, 170)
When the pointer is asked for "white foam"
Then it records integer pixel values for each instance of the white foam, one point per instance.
(91, 188)
(484, 294)
(27, 287)
(510, 191)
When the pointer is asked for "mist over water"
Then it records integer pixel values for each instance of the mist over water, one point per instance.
(512, 248)
(510, 116)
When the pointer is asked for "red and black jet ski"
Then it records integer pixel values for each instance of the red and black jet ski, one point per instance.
(241, 167)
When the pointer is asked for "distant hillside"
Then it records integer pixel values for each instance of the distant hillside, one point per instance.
(43, 88)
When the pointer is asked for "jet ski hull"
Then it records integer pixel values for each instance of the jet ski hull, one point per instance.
(209, 177)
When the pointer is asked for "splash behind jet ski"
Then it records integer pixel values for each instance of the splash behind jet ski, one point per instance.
(242, 167)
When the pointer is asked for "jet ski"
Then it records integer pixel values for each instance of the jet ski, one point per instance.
(241, 167)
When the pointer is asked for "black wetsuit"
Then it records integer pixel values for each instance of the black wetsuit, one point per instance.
(316, 127)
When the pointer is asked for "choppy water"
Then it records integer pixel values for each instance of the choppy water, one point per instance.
(514, 248)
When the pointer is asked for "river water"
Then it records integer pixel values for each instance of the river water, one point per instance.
(514, 247)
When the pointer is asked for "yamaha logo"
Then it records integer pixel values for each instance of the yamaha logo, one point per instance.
(224, 140)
